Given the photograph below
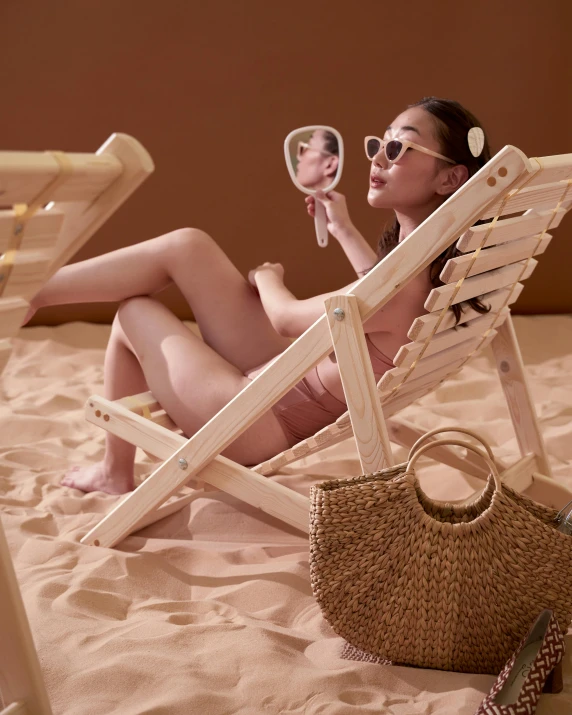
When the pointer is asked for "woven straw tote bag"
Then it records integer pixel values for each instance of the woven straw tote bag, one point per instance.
(429, 584)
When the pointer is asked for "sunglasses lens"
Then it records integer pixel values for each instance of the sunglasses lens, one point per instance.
(393, 149)
(372, 147)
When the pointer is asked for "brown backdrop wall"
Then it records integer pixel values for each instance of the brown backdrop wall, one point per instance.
(212, 89)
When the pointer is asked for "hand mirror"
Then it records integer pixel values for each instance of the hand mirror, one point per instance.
(315, 157)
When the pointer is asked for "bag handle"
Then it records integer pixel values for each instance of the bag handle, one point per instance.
(459, 443)
(463, 430)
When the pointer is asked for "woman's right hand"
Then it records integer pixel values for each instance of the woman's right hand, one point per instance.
(339, 221)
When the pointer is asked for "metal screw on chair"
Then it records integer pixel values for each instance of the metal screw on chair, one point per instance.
(183, 463)
(339, 314)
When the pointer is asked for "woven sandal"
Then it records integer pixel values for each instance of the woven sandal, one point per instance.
(535, 667)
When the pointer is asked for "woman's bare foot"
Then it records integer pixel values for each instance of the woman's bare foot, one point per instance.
(96, 478)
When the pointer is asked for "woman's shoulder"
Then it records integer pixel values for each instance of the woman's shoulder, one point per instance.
(402, 308)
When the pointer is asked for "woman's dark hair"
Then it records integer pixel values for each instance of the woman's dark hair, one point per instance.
(452, 124)
(331, 142)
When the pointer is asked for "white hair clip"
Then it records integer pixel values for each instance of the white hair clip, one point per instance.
(476, 140)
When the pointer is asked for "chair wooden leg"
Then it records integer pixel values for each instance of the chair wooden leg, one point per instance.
(171, 506)
(21, 681)
(519, 399)
(519, 476)
(523, 476)
(273, 498)
(204, 446)
(548, 491)
(5, 352)
(358, 381)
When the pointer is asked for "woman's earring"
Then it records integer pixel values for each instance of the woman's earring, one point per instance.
(476, 140)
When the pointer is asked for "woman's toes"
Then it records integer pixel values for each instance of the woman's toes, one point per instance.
(94, 478)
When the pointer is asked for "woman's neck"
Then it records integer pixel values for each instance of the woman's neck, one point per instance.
(411, 218)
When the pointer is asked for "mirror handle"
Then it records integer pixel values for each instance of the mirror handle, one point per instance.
(321, 224)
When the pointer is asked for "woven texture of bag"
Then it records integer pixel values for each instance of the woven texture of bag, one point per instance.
(430, 584)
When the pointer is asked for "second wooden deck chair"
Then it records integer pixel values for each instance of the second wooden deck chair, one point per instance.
(51, 203)
(524, 198)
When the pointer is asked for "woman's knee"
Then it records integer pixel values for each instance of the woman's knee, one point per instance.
(189, 240)
(118, 333)
(130, 305)
(122, 320)
(130, 317)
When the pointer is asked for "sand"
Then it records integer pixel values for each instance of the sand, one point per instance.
(210, 611)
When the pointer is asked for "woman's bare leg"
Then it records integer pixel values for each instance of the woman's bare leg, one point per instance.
(150, 348)
(224, 304)
(122, 376)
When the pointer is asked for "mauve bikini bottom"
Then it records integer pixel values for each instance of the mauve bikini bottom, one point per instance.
(308, 406)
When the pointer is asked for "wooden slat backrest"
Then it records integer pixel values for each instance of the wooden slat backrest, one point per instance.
(508, 229)
(42, 226)
(38, 236)
(32, 258)
(30, 181)
(494, 257)
(438, 374)
(538, 198)
(393, 378)
(484, 271)
(407, 354)
(479, 285)
(548, 169)
(423, 326)
(25, 175)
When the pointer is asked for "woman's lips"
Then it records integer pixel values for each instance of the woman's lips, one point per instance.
(375, 182)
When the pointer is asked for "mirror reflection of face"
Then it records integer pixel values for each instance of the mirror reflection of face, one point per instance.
(315, 158)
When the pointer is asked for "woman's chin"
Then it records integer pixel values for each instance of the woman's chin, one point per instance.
(376, 200)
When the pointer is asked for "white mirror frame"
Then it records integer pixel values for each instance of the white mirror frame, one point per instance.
(320, 219)
(291, 171)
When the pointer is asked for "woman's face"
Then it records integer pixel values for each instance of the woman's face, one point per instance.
(411, 182)
(316, 170)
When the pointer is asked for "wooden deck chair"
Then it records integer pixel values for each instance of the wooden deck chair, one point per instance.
(22, 689)
(50, 205)
(497, 257)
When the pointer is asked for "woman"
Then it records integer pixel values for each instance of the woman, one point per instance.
(192, 379)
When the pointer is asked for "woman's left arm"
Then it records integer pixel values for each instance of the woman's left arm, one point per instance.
(289, 316)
